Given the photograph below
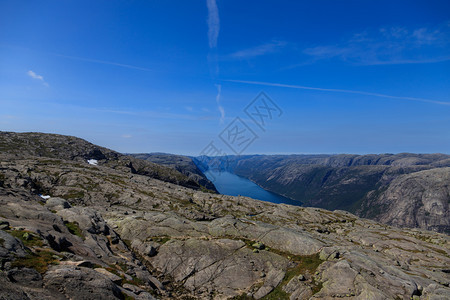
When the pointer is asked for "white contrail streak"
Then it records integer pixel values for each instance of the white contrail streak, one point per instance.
(104, 62)
(338, 91)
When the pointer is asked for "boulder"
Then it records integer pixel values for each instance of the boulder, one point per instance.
(80, 283)
(56, 203)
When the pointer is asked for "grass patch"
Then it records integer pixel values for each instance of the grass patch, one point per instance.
(147, 193)
(277, 294)
(28, 238)
(123, 266)
(127, 242)
(316, 287)
(305, 264)
(38, 261)
(74, 194)
(135, 281)
(2, 179)
(111, 196)
(242, 297)
(440, 251)
(74, 229)
(126, 297)
(160, 239)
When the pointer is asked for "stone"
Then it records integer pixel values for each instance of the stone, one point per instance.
(111, 276)
(80, 283)
(259, 246)
(56, 203)
(4, 225)
(25, 277)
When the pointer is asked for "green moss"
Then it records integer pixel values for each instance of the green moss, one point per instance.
(28, 238)
(38, 261)
(74, 229)
(2, 241)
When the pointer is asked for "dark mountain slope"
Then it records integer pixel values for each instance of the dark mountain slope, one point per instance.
(356, 183)
(182, 164)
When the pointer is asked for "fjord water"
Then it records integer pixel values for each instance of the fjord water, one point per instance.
(230, 184)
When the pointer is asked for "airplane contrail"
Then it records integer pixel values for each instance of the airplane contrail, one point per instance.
(338, 91)
(103, 62)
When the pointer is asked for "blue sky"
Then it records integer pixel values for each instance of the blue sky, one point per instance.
(170, 76)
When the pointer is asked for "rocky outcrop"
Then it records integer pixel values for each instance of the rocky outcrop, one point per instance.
(110, 234)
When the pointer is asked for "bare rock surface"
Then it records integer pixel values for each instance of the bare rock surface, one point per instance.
(115, 234)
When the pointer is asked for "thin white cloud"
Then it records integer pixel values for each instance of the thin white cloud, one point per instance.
(127, 136)
(258, 50)
(213, 23)
(104, 62)
(219, 106)
(394, 45)
(340, 91)
(36, 76)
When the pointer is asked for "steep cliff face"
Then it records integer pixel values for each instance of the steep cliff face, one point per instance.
(420, 199)
(356, 183)
(182, 164)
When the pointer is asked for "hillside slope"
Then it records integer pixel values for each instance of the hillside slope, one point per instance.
(182, 164)
(108, 233)
(357, 183)
(75, 149)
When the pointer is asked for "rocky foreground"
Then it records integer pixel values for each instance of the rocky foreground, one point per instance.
(108, 232)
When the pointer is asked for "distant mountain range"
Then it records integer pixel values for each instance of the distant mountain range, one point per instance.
(407, 190)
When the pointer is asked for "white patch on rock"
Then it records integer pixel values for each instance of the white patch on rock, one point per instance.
(93, 162)
(44, 197)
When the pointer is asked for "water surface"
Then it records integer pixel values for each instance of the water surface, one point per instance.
(230, 184)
